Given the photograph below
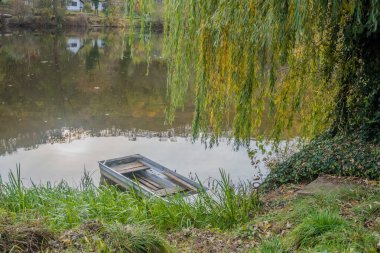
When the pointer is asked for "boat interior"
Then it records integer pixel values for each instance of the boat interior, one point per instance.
(158, 181)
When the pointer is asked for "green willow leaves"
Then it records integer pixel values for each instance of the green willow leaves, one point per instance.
(297, 66)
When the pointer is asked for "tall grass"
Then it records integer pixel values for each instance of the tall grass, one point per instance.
(326, 222)
(270, 246)
(133, 239)
(316, 225)
(64, 207)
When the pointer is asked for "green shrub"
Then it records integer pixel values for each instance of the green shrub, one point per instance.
(87, 7)
(339, 155)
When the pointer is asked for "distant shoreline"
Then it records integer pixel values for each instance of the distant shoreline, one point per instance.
(79, 20)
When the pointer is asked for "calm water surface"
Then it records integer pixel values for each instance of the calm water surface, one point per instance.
(69, 100)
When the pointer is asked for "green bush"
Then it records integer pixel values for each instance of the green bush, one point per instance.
(339, 155)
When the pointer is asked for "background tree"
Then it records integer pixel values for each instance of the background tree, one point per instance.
(50, 9)
(20, 9)
(96, 5)
(87, 7)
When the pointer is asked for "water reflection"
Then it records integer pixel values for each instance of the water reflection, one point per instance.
(45, 87)
(69, 100)
(70, 134)
(74, 44)
(68, 160)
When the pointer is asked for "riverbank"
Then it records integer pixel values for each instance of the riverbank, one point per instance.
(78, 20)
(65, 219)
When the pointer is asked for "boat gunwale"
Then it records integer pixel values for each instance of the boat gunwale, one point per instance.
(124, 181)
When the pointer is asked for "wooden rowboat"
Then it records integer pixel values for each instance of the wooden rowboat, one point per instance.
(147, 177)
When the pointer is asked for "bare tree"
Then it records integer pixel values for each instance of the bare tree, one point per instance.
(20, 9)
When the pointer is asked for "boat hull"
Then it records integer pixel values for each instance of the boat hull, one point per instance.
(146, 177)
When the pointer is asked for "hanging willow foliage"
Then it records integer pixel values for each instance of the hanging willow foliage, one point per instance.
(289, 59)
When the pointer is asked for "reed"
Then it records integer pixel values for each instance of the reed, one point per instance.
(64, 207)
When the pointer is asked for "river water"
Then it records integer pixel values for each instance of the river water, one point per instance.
(71, 99)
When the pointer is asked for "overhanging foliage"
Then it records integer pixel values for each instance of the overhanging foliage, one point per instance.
(300, 61)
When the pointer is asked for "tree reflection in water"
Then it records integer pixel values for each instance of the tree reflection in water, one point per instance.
(47, 88)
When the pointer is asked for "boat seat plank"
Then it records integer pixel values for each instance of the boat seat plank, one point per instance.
(129, 170)
(130, 167)
(168, 191)
(148, 184)
(151, 182)
(138, 180)
(180, 181)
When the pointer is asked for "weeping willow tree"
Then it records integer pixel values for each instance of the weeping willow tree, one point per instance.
(316, 62)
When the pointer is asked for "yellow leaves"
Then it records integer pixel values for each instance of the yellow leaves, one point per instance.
(348, 6)
(255, 57)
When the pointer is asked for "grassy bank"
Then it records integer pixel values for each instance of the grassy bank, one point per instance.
(345, 219)
(56, 211)
(340, 220)
(87, 218)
